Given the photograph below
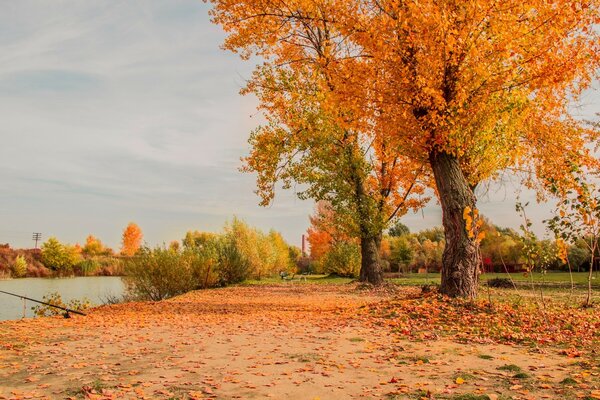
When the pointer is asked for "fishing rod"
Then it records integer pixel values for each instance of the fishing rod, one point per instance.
(67, 310)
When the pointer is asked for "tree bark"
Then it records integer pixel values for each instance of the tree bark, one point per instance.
(370, 263)
(461, 258)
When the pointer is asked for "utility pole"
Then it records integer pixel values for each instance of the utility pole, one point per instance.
(37, 237)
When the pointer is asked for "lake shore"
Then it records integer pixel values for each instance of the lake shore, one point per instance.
(96, 289)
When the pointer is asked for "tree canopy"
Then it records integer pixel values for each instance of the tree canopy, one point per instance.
(462, 89)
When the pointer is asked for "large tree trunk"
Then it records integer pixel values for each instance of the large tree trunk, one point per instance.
(461, 259)
(370, 264)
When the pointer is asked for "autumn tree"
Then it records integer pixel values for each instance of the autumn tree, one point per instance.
(94, 247)
(58, 256)
(577, 219)
(311, 139)
(398, 229)
(198, 239)
(467, 89)
(132, 239)
(323, 231)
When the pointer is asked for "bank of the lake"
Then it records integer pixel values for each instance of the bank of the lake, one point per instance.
(94, 288)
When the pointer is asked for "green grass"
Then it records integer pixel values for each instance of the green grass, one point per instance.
(422, 359)
(510, 367)
(579, 278)
(470, 396)
(356, 339)
(569, 381)
(465, 376)
(550, 277)
(298, 279)
(414, 279)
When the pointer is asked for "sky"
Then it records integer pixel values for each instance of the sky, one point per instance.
(118, 111)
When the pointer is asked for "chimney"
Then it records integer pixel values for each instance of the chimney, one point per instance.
(303, 246)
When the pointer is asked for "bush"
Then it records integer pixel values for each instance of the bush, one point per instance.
(19, 267)
(160, 273)
(38, 271)
(233, 264)
(343, 259)
(87, 267)
(59, 257)
(43, 310)
(500, 283)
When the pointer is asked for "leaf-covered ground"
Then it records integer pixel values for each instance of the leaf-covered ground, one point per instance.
(305, 342)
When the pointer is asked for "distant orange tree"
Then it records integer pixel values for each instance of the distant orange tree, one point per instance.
(132, 239)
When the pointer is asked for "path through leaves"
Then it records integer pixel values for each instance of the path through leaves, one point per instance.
(283, 342)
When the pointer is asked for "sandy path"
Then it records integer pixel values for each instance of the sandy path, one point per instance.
(283, 342)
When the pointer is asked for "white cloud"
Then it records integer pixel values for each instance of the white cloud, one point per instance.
(115, 111)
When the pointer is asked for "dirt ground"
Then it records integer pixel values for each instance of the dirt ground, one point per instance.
(283, 342)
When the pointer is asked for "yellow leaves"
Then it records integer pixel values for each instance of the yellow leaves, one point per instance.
(561, 248)
(459, 381)
(510, 91)
(467, 213)
(473, 224)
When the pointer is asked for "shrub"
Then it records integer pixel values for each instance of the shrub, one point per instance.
(38, 271)
(500, 283)
(59, 257)
(343, 259)
(233, 263)
(88, 267)
(160, 273)
(54, 298)
(19, 267)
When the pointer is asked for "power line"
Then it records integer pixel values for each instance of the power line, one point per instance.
(37, 236)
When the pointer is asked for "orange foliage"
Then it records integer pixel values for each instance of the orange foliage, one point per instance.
(93, 247)
(299, 341)
(385, 250)
(324, 230)
(132, 239)
(454, 90)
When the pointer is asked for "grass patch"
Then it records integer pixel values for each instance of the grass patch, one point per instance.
(421, 359)
(470, 396)
(82, 392)
(464, 376)
(298, 279)
(554, 277)
(510, 368)
(356, 339)
(521, 375)
(568, 381)
(420, 394)
(485, 357)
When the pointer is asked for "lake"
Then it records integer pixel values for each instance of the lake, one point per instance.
(94, 288)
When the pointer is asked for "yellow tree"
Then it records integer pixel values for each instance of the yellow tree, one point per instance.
(132, 239)
(467, 89)
(94, 247)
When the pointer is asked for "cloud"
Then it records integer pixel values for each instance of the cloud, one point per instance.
(118, 111)
(115, 111)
